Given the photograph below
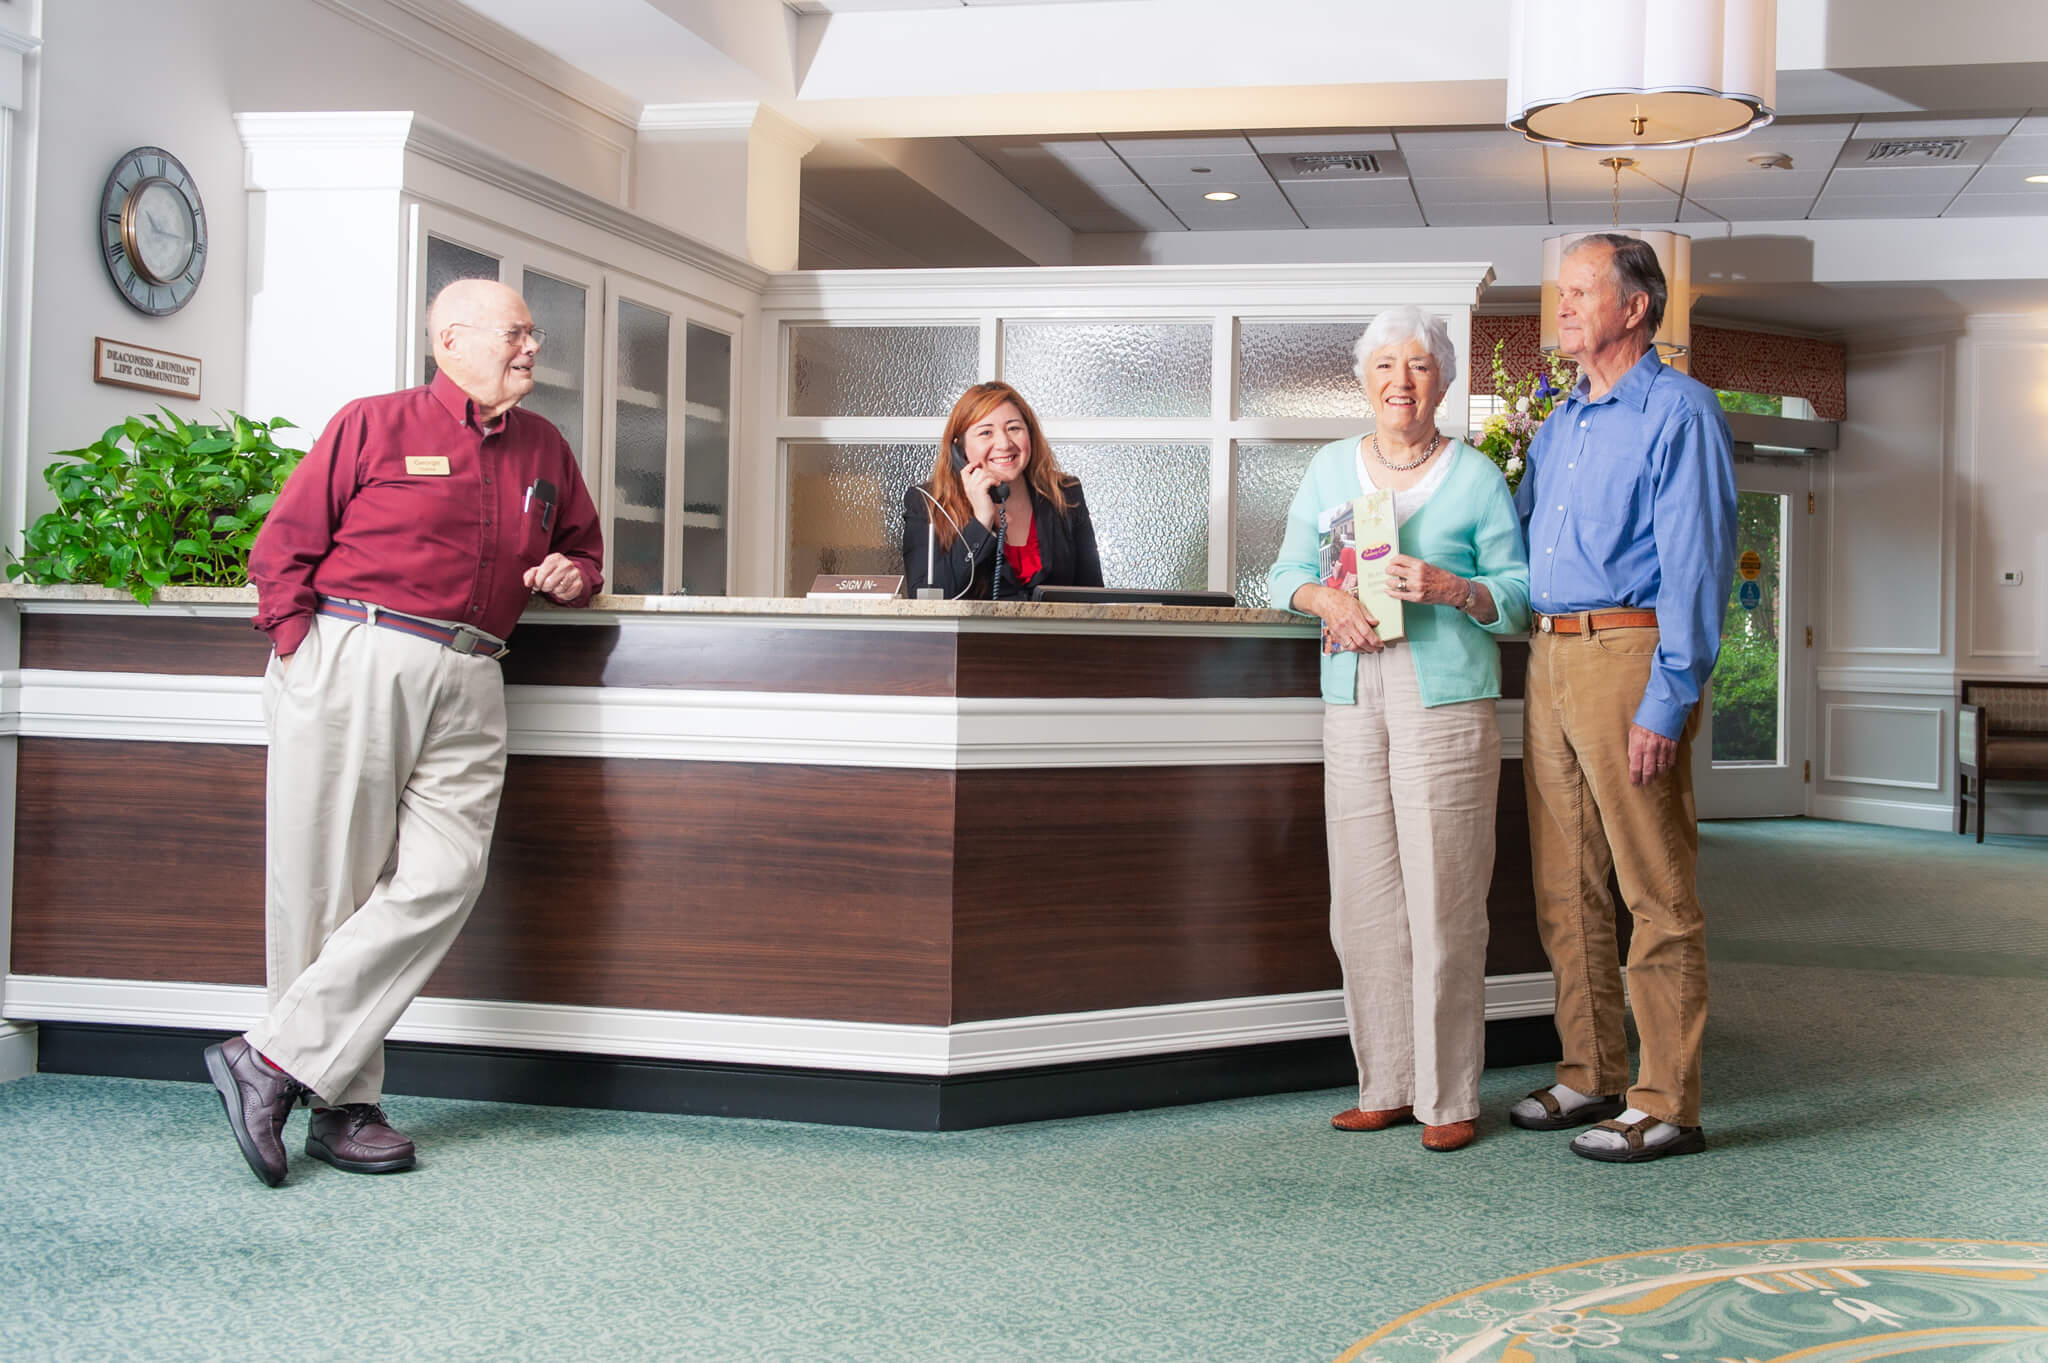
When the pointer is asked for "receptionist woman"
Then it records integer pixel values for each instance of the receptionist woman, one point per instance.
(995, 479)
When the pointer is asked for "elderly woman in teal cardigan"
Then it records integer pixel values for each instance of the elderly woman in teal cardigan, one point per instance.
(1411, 750)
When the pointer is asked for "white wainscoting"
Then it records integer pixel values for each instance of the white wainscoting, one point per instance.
(1884, 745)
(1886, 506)
(798, 1043)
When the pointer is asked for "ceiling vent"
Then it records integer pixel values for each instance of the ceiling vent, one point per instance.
(1894, 150)
(1335, 165)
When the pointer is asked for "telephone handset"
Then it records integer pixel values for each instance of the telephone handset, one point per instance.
(999, 493)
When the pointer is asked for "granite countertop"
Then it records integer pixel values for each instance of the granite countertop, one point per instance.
(1062, 612)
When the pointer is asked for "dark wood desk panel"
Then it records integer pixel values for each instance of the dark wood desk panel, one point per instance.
(138, 861)
(715, 887)
(1173, 667)
(174, 645)
(1128, 886)
(708, 653)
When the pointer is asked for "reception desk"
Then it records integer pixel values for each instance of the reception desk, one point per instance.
(908, 864)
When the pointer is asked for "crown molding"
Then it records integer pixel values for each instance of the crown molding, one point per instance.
(368, 150)
(2007, 323)
(478, 34)
(881, 252)
(738, 115)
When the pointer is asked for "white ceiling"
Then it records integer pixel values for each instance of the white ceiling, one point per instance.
(1008, 132)
(1475, 177)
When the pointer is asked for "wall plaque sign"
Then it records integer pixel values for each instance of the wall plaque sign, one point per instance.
(135, 366)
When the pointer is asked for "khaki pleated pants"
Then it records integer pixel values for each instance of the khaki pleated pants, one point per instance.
(1585, 819)
(387, 756)
(1409, 795)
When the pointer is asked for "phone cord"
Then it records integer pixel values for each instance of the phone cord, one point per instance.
(995, 587)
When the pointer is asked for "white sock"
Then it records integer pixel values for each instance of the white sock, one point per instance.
(1569, 1099)
(1653, 1134)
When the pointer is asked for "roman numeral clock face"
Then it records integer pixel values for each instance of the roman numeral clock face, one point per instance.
(153, 231)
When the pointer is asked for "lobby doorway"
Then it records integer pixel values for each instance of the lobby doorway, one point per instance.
(1750, 759)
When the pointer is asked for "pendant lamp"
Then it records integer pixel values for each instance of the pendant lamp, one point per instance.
(1619, 75)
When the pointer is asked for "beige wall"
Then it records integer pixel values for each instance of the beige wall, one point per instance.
(221, 57)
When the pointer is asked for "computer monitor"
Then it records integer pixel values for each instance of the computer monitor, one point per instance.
(1131, 596)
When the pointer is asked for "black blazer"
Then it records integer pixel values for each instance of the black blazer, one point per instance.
(1066, 549)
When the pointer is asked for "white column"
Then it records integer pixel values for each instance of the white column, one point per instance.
(727, 174)
(329, 260)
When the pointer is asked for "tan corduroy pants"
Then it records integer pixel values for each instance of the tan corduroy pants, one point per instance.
(1408, 799)
(1585, 818)
(387, 756)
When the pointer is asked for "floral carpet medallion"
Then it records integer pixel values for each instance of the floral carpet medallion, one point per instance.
(1771, 1301)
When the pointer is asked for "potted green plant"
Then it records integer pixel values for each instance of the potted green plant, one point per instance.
(181, 507)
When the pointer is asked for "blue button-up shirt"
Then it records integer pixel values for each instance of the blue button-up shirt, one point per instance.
(1630, 501)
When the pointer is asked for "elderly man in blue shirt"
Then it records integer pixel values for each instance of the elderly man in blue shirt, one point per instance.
(1629, 508)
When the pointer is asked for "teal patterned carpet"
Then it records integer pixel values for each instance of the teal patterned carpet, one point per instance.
(1853, 1104)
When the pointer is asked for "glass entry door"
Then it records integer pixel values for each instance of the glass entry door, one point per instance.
(1750, 756)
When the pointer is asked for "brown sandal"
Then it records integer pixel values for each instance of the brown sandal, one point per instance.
(1555, 1118)
(1690, 1140)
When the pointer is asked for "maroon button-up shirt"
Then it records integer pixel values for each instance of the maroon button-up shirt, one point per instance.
(406, 502)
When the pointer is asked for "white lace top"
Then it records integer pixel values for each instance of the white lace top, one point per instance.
(1408, 500)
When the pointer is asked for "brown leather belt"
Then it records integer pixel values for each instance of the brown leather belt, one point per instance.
(1589, 622)
(458, 638)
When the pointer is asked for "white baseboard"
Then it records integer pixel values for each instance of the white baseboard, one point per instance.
(801, 1043)
(1894, 813)
(17, 1050)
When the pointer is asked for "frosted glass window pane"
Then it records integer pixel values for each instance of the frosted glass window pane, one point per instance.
(640, 453)
(446, 263)
(1109, 369)
(558, 309)
(707, 457)
(846, 507)
(880, 371)
(1267, 477)
(1150, 505)
(1298, 369)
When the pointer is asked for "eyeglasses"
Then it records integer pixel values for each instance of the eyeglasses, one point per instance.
(509, 335)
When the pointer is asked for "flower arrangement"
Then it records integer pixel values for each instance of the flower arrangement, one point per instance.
(1528, 399)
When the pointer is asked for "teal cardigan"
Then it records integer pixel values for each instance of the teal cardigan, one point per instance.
(1467, 527)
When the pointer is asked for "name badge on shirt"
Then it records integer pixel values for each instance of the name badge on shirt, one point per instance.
(427, 465)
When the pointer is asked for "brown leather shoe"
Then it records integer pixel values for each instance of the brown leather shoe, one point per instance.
(258, 1098)
(1351, 1119)
(1450, 1136)
(357, 1137)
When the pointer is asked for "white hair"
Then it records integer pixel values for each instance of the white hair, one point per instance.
(1407, 323)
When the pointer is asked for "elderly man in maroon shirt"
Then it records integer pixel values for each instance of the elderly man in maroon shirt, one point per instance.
(395, 562)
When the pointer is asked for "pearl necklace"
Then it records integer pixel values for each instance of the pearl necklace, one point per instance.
(1427, 454)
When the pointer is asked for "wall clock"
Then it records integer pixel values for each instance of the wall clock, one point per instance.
(153, 231)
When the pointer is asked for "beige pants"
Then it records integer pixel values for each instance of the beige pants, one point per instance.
(1585, 818)
(387, 755)
(1408, 798)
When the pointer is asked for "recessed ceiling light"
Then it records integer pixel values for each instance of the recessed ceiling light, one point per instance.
(1220, 195)
(2037, 179)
